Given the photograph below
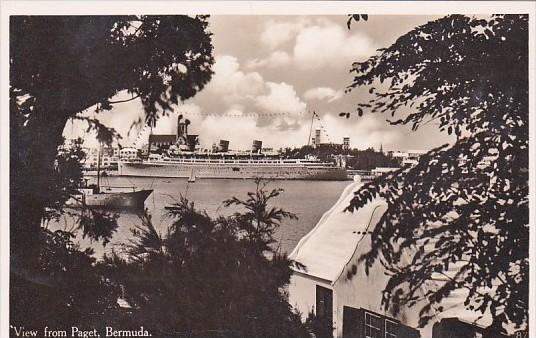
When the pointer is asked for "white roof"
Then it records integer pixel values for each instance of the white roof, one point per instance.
(330, 245)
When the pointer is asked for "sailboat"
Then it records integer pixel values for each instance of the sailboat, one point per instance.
(93, 197)
(191, 178)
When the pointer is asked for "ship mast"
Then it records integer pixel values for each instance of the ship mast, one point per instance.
(98, 167)
(311, 128)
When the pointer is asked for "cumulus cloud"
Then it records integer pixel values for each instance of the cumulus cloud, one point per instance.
(232, 84)
(327, 45)
(277, 33)
(313, 44)
(248, 91)
(323, 93)
(276, 59)
(282, 98)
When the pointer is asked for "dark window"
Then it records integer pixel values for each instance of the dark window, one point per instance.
(236, 169)
(373, 325)
(324, 303)
(391, 329)
(351, 322)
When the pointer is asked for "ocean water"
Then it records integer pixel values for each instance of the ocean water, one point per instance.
(307, 199)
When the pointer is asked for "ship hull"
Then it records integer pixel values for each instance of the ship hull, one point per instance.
(123, 200)
(237, 170)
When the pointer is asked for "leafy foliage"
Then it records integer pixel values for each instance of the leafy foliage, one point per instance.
(74, 294)
(259, 222)
(459, 219)
(217, 274)
(366, 159)
(320, 326)
(60, 66)
(355, 17)
(369, 159)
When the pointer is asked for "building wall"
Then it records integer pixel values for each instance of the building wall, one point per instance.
(361, 291)
(302, 294)
(365, 291)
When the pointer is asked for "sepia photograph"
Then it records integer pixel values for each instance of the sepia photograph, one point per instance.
(308, 170)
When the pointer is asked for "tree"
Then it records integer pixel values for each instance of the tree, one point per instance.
(210, 274)
(60, 66)
(369, 159)
(466, 203)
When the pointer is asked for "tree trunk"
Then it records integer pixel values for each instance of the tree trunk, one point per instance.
(33, 151)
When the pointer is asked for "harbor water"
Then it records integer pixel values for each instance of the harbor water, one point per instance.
(307, 199)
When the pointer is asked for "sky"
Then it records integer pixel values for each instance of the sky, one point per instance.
(270, 74)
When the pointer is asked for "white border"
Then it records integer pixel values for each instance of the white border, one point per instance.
(8, 8)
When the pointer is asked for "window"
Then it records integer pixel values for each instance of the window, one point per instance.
(373, 326)
(351, 322)
(390, 329)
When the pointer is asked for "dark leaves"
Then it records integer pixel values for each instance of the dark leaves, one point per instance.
(355, 17)
(459, 218)
(210, 272)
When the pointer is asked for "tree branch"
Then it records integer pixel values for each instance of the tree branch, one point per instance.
(121, 101)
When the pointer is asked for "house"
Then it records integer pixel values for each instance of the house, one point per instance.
(328, 279)
(128, 153)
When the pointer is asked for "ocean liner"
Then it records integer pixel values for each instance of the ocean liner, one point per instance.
(233, 168)
(182, 157)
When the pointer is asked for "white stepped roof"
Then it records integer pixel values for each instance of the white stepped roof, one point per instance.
(330, 245)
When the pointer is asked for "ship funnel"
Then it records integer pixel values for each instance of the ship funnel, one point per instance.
(256, 147)
(224, 146)
(182, 127)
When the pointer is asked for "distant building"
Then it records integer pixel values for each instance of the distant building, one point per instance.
(410, 157)
(128, 153)
(345, 143)
(164, 141)
(341, 160)
(317, 137)
(378, 171)
(108, 157)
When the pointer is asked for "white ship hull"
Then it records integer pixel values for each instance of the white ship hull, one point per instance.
(232, 169)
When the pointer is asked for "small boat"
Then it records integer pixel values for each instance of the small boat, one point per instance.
(115, 200)
(93, 197)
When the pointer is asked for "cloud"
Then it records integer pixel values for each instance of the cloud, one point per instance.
(232, 84)
(282, 98)
(315, 44)
(364, 132)
(277, 33)
(123, 117)
(276, 59)
(323, 93)
(328, 44)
